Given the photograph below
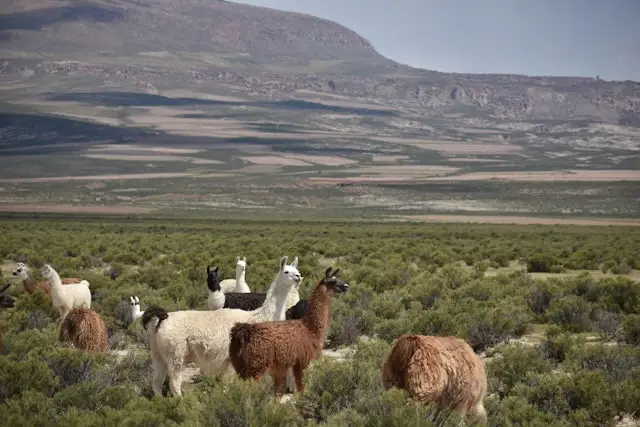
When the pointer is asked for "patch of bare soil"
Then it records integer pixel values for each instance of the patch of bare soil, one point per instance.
(388, 158)
(480, 219)
(274, 160)
(321, 160)
(472, 160)
(454, 147)
(99, 177)
(566, 175)
(98, 209)
(137, 147)
(151, 158)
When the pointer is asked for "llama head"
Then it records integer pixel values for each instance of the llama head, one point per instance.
(332, 282)
(213, 279)
(135, 306)
(241, 264)
(6, 301)
(47, 272)
(21, 272)
(288, 275)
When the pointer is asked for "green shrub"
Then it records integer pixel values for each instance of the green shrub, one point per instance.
(572, 313)
(631, 329)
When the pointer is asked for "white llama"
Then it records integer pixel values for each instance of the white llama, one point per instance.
(238, 284)
(135, 308)
(202, 337)
(66, 297)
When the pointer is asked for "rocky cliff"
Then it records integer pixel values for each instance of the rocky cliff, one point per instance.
(272, 53)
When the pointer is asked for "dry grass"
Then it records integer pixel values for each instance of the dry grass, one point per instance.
(472, 160)
(99, 177)
(61, 208)
(496, 219)
(321, 160)
(567, 175)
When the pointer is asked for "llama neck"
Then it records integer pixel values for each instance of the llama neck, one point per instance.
(274, 307)
(317, 316)
(30, 283)
(136, 313)
(241, 284)
(56, 283)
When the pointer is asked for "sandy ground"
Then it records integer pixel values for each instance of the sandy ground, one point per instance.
(567, 175)
(99, 177)
(61, 208)
(479, 219)
(472, 160)
(382, 158)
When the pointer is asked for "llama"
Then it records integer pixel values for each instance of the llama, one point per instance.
(443, 371)
(238, 285)
(30, 284)
(244, 301)
(65, 298)
(135, 308)
(6, 301)
(202, 337)
(276, 347)
(216, 298)
(86, 330)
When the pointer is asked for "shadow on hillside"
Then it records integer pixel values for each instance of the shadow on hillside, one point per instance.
(37, 19)
(24, 133)
(30, 134)
(133, 99)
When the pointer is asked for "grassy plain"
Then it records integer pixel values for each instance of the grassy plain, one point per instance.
(554, 311)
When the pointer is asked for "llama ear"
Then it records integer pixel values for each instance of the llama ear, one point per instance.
(327, 272)
(208, 269)
(244, 258)
(335, 272)
(237, 258)
(283, 262)
(137, 300)
(216, 269)
(132, 300)
(294, 263)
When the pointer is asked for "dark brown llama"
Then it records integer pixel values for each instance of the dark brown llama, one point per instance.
(275, 347)
(86, 330)
(442, 371)
(30, 284)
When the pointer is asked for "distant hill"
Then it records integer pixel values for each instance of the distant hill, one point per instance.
(271, 53)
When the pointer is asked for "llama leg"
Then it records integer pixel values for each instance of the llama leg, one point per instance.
(290, 385)
(159, 375)
(479, 412)
(279, 376)
(297, 372)
(175, 380)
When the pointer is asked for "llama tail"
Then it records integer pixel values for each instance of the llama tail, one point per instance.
(86, 283)
(241, 335)
(154, 311)
(397, 364)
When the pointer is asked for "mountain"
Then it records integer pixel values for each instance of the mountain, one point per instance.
(271, 53)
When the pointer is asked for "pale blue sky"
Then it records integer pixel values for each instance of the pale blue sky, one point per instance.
(535, 37)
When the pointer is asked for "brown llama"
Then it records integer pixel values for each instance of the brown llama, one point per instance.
(443, 371)
(275, 347)
(85, 329)
(6, 301)
(30, 284)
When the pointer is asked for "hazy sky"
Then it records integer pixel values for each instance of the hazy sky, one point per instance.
(535, 37)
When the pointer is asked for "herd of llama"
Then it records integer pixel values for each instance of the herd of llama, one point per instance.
(253, 334)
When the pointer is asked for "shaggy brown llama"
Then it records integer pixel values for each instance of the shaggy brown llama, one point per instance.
(85, 329)
(443, 371)
(6, 301)
(275, 347)
(31, 285)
